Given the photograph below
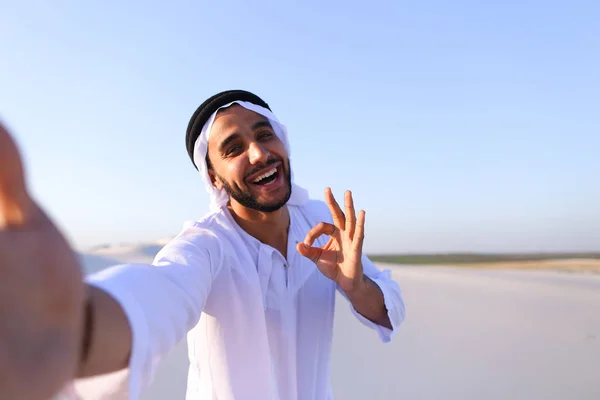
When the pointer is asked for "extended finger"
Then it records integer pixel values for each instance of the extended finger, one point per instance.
(322, 228)
(14, 200)
(350, 213)
(359, 234)
(334, 208)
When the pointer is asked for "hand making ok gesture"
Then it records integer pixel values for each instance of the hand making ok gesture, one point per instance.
(340, 258)
(41, 291)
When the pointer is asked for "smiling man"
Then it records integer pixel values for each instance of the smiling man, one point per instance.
(264, 178)
(252, 284)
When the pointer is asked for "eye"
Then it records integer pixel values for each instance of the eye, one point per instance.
(264, 135)
(236, 148)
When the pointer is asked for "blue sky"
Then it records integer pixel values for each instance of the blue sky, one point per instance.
(459, 126)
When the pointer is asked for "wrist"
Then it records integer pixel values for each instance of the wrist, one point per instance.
(359, 289)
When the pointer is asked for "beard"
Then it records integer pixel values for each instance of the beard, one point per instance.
(248, 200)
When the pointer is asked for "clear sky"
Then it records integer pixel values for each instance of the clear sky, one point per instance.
(459, 125)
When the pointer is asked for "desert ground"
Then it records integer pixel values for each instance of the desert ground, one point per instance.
(483, 332)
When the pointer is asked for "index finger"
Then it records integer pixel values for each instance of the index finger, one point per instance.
(322, 228)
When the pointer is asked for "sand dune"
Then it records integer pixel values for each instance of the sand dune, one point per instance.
(127, 252)
(469, 334)
(93, 262)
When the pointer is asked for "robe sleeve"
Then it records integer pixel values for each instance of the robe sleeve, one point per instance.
(162, 301)
(392, 297)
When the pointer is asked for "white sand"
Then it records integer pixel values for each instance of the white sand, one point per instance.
(469, 334)
(474, 334)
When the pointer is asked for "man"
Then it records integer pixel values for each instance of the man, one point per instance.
(252, 284)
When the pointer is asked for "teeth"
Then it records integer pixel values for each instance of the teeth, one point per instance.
(265, 175)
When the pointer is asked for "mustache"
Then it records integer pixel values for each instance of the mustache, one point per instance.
(269, 161)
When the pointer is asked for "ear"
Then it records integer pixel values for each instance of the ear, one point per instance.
(216, 182)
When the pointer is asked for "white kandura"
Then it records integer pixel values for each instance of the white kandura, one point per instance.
(258, 325)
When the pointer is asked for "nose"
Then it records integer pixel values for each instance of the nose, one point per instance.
(257, 153)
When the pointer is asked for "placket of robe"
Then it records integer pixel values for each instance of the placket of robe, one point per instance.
(280, 315)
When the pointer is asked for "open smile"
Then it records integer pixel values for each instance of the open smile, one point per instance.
(268, 178)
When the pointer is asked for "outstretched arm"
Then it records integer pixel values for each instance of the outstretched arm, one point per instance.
(161, 303)
(107, 336)
(134, 315)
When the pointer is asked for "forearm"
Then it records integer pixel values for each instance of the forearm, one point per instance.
(367, 299)
(108, 336)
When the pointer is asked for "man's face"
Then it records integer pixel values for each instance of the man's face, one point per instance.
(248, 160)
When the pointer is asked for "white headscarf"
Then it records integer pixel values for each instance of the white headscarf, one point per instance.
(219, 198)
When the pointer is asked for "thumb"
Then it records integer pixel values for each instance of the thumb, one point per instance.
(312, 253)
(15, 203)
